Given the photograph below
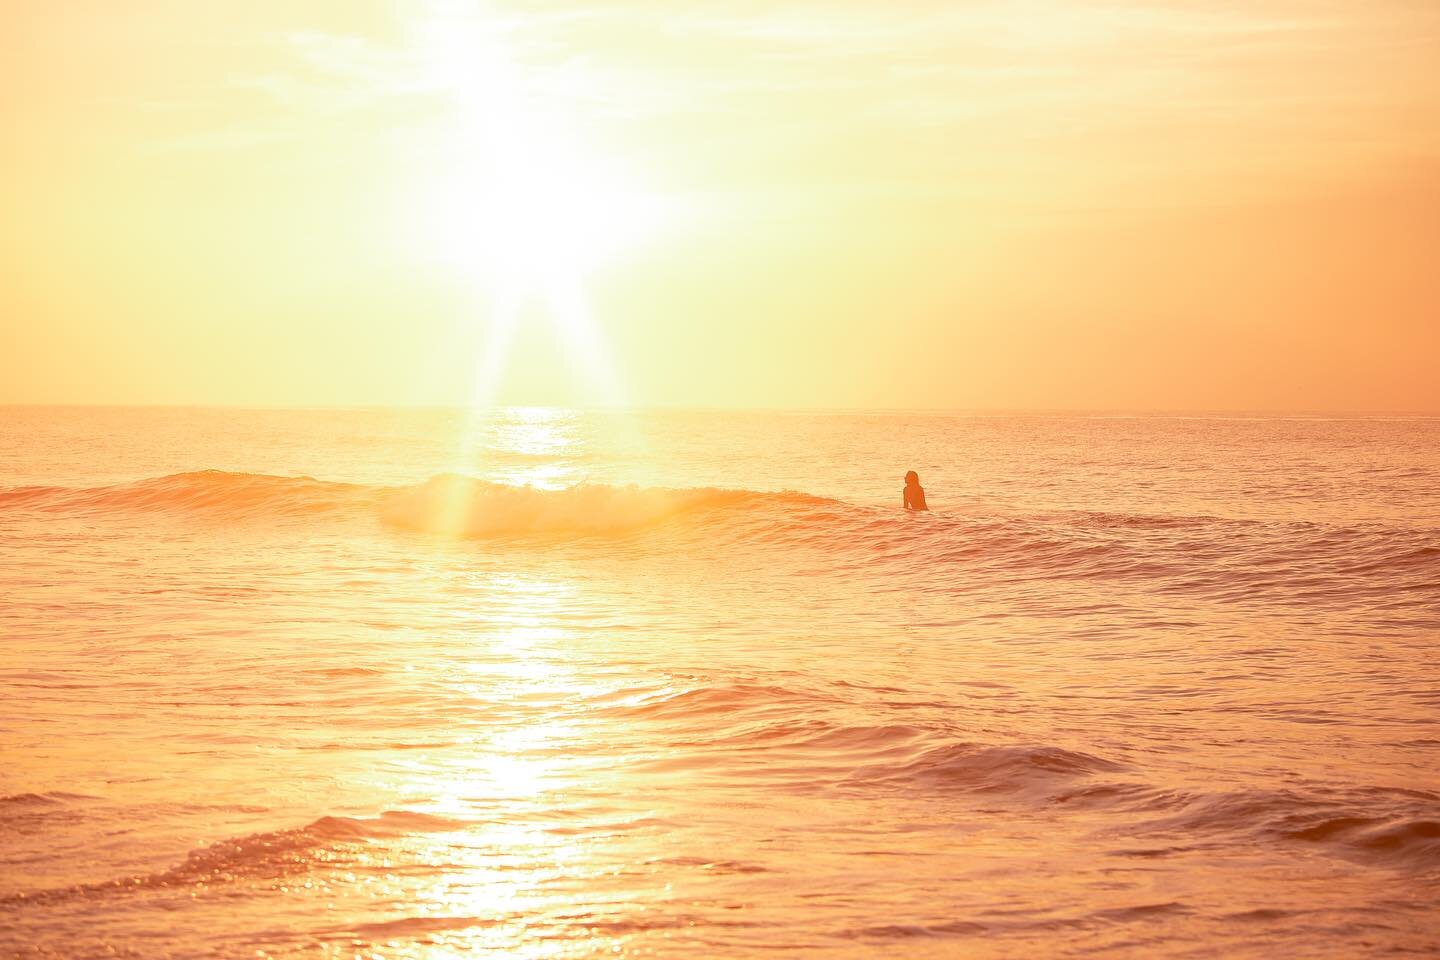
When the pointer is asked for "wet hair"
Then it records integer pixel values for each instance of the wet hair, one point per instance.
(912, 476)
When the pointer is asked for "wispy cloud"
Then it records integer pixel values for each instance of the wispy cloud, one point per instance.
(1160, 84)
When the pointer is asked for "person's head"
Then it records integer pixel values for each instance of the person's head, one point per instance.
(912, 479)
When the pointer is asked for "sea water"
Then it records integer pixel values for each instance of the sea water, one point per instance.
(546, 683)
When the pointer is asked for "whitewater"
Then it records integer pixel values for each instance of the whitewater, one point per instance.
(550, 683)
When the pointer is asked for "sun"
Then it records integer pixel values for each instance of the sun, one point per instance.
(542, 210)
(520, 192)
(521, 195)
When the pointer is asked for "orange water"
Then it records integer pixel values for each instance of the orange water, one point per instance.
(547, 684)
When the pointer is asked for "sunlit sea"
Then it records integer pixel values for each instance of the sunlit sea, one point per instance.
(543, 683)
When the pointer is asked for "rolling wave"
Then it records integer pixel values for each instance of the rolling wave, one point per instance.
(465, 506)
(220, 493)
(445, 504)
(1225, 559)
(261, 856)
(1393, 828)
(806, 738)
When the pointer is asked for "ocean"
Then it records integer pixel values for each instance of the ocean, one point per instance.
(550, 683)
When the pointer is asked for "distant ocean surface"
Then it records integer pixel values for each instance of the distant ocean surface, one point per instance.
(540, 683)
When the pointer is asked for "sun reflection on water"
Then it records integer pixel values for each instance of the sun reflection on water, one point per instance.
(536, 862)
(534, 447)
(536, 430)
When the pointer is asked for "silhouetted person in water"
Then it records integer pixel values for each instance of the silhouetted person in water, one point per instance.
(914, 493)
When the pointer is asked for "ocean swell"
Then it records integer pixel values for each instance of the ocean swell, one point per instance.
(336, 841)
(464, 506)
(219, 493)
(448, 504)
(1233, 561)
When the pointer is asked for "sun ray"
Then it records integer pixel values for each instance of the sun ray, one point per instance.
(526, 207)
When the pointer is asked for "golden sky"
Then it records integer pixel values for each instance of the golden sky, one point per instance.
(1088, 204)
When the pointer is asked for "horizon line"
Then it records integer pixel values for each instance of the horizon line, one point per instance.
(1087, 412)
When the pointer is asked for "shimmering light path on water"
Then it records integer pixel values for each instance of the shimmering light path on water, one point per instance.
(1140, 687)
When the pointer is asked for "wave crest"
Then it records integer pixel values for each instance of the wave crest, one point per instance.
(223, 493)
(270, 855)
(464, 506)
(1221, 559)
(449, 504)
(986, 768)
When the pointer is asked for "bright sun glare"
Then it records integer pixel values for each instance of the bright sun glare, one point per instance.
(523, 197)
(543, 213)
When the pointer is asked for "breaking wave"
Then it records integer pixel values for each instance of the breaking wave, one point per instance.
(1393, 828)
(1224, 559)
(262, 856)
(475, 508)
(445, 504)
